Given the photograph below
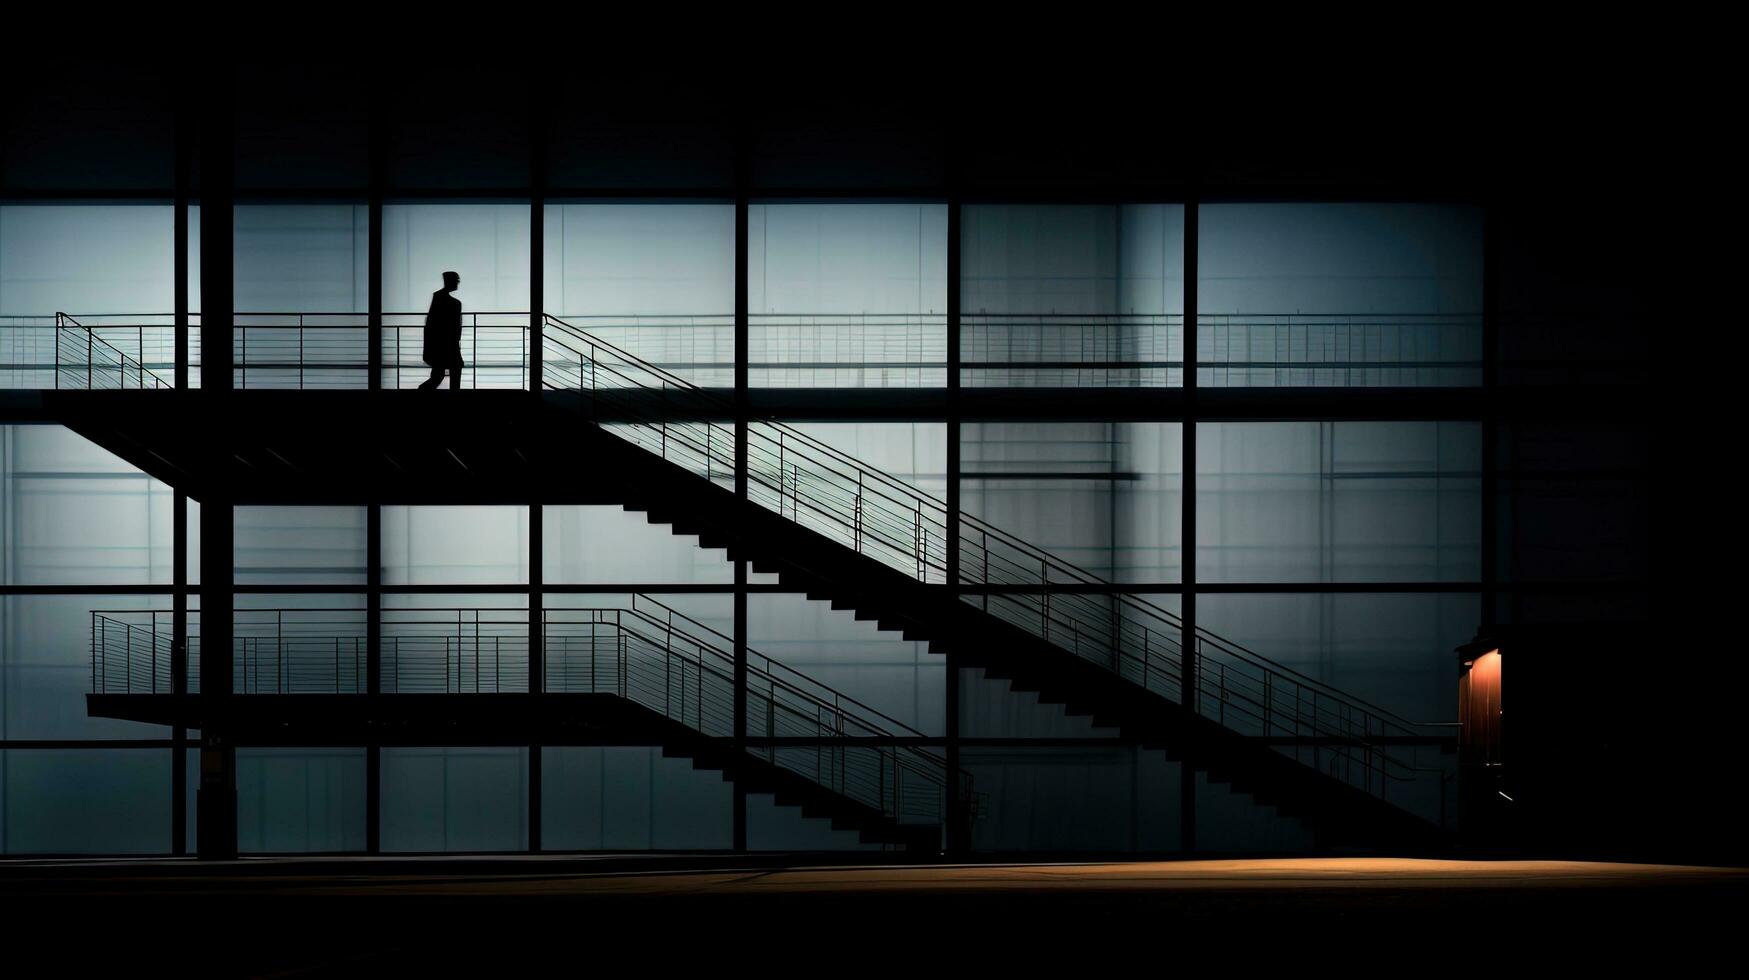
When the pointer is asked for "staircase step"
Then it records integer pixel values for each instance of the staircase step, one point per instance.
(826, 571)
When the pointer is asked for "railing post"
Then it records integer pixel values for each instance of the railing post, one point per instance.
(1145, 634)
(1044, 581)
(918, 540)
(984, 539)
(1268, 698)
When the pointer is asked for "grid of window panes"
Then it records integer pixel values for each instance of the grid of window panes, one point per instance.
(1293, 518)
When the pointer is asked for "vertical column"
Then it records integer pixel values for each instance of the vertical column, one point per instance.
(179, 262)
(373, 667)
(374, 286)
(376, 165)
(1187, 529)
(958, 829)
(217, 798)
(179, 502)
(179, 671)
(537, 205)
(741, 354)
(536, 660)
(1491, 421)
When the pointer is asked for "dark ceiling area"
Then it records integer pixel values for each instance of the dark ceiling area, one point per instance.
(311, 128)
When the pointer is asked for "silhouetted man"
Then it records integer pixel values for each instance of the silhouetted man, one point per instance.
(443, 335)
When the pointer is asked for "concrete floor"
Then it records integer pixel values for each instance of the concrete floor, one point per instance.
(503, 915)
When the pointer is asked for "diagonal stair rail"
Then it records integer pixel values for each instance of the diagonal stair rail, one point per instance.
(683, 670)
(86, 361)
(879, 516)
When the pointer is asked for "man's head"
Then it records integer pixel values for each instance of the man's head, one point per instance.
(451, 280)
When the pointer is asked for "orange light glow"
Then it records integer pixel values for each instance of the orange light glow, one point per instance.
(1479, 707)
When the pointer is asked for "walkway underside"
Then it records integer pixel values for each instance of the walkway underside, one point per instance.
(404, 719)
(299, 447)
(397, 720)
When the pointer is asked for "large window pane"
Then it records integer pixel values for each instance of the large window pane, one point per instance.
(1393, 650)
(1041, 799)
(450, 643)
(656, 280)
(1339, 295)
(304, 545)
(302, 258)
(78, 515)
(899, 682)
(48, 658)
(85, 801)
(108, 266)
(1338, 501)
(455, 799)
(85, 259)
(1072, 295)
(454, 545)
(302, 281)
(488, 246)
(1103, 496)
(633, 798)
(587, 543)
(847, 295)
(292, 800)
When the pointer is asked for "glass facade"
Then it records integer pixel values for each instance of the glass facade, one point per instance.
(1339, 295)
(1058, 295)
(847, 295)
(1349, 551)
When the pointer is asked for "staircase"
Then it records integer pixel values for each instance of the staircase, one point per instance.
(842, 532)
(838, 531)
(672, 679)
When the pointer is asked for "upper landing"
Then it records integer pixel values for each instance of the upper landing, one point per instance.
(335, 351)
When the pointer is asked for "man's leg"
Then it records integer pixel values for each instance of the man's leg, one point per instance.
(455, 378)
(432, 382)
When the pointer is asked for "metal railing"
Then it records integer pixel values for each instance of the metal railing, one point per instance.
(881, 517)
(1127, 350)
(83, 360)
(699, 347)
(648, 653)
(1408, 350)
(332, 350)
(794, 474)
(847, 350)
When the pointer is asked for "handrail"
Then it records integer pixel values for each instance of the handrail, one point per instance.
(770, 665)
(1008, 540)
(653, 654)
(1105, 629)
(93, 343)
